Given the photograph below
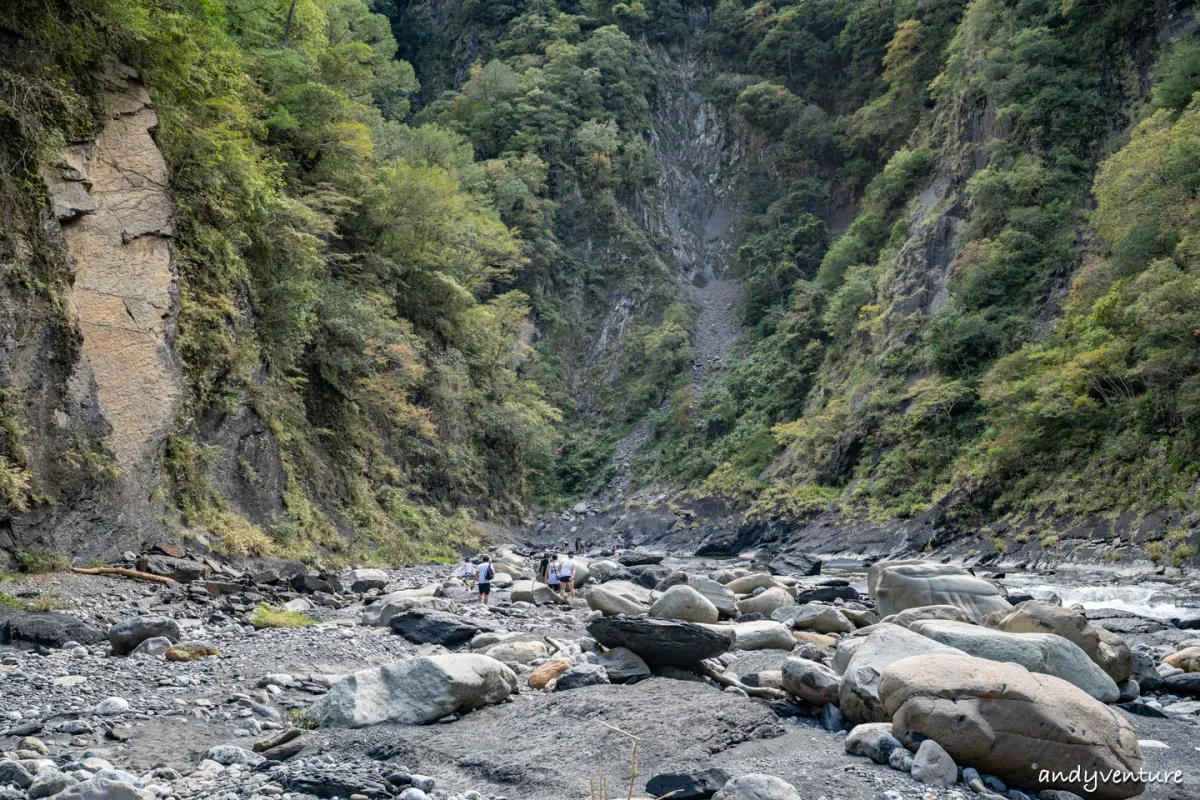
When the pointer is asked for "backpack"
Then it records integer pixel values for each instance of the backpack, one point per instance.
(491, 573)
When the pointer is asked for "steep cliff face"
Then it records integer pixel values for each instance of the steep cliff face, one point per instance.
(112, 200)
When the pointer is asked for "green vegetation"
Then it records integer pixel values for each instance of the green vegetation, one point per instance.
(266, 616)
(13, 603)
(37, 562)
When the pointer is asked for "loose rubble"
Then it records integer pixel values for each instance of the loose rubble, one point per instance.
(399, 684)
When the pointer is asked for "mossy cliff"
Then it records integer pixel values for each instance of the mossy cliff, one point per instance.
(854, 273)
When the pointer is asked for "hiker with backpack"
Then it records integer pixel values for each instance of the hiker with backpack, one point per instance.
(485, 573)
(552, 573)
(566, 574)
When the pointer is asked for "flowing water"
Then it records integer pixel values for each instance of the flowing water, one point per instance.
(1159, 597)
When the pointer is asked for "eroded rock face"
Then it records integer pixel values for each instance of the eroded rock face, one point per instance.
(904, 586)
(1004, 720)
(112, 199)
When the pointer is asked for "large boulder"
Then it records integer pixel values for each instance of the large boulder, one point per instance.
(583, 572)
(814, 617)
(638, 558)
(926, 584)
(755, 580)
(380, 613)
(127, 634)
(826, 594)
(606, 570)
(1045, 653)
(1106, 649)
(366, 579)
(1030, 729)
(722, 599)
(757, 787)
(426, 626)
(648, 575)
(103, 788)
(47, 628)
(878, 567)
(685, 603)
(763, 634)
(766, 602)
(811, 681)
(619, 597)
(862, 659)
(910, 615)
(416, 691)
(538, 594)
(661, 641)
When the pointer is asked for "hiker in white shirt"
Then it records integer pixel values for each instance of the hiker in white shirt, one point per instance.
(566, 574)
(485, 574)
(466, 572)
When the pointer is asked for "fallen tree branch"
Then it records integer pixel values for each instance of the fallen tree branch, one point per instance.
(724, 680)
(125, 573)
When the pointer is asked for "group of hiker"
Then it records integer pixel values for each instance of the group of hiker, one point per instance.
(558, 574)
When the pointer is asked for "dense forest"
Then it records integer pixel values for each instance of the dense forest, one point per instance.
(961, 229)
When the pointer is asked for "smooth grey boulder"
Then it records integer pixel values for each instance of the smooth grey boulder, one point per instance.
(911, 615)
(1106, 649)
(154, 646)
(763, 634)
(755, 580)
(619, 597)
(127, 634)
(757, 787)
(811, 681)
(622, 664)
(101, 788)
(932, 765)
(905, 586)
(381, 612)
(862, 659)
(873, 740)
(581, 675)
(660, 641)
(685, 603)
(366, 579)
(724, 600)
(1045, 653)
(537, 593)
(415, 691)
(766, 602)
(814, 617)
(427, 626)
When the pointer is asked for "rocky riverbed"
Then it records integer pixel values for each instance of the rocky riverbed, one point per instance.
(728, 679)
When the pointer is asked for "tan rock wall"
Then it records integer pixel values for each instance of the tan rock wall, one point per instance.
(111, 196)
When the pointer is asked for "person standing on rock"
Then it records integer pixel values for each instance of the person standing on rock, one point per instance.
(466, 571)
(552, 573)
(579, 544)
(485, 574)
(566, 574)
(544, 566)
